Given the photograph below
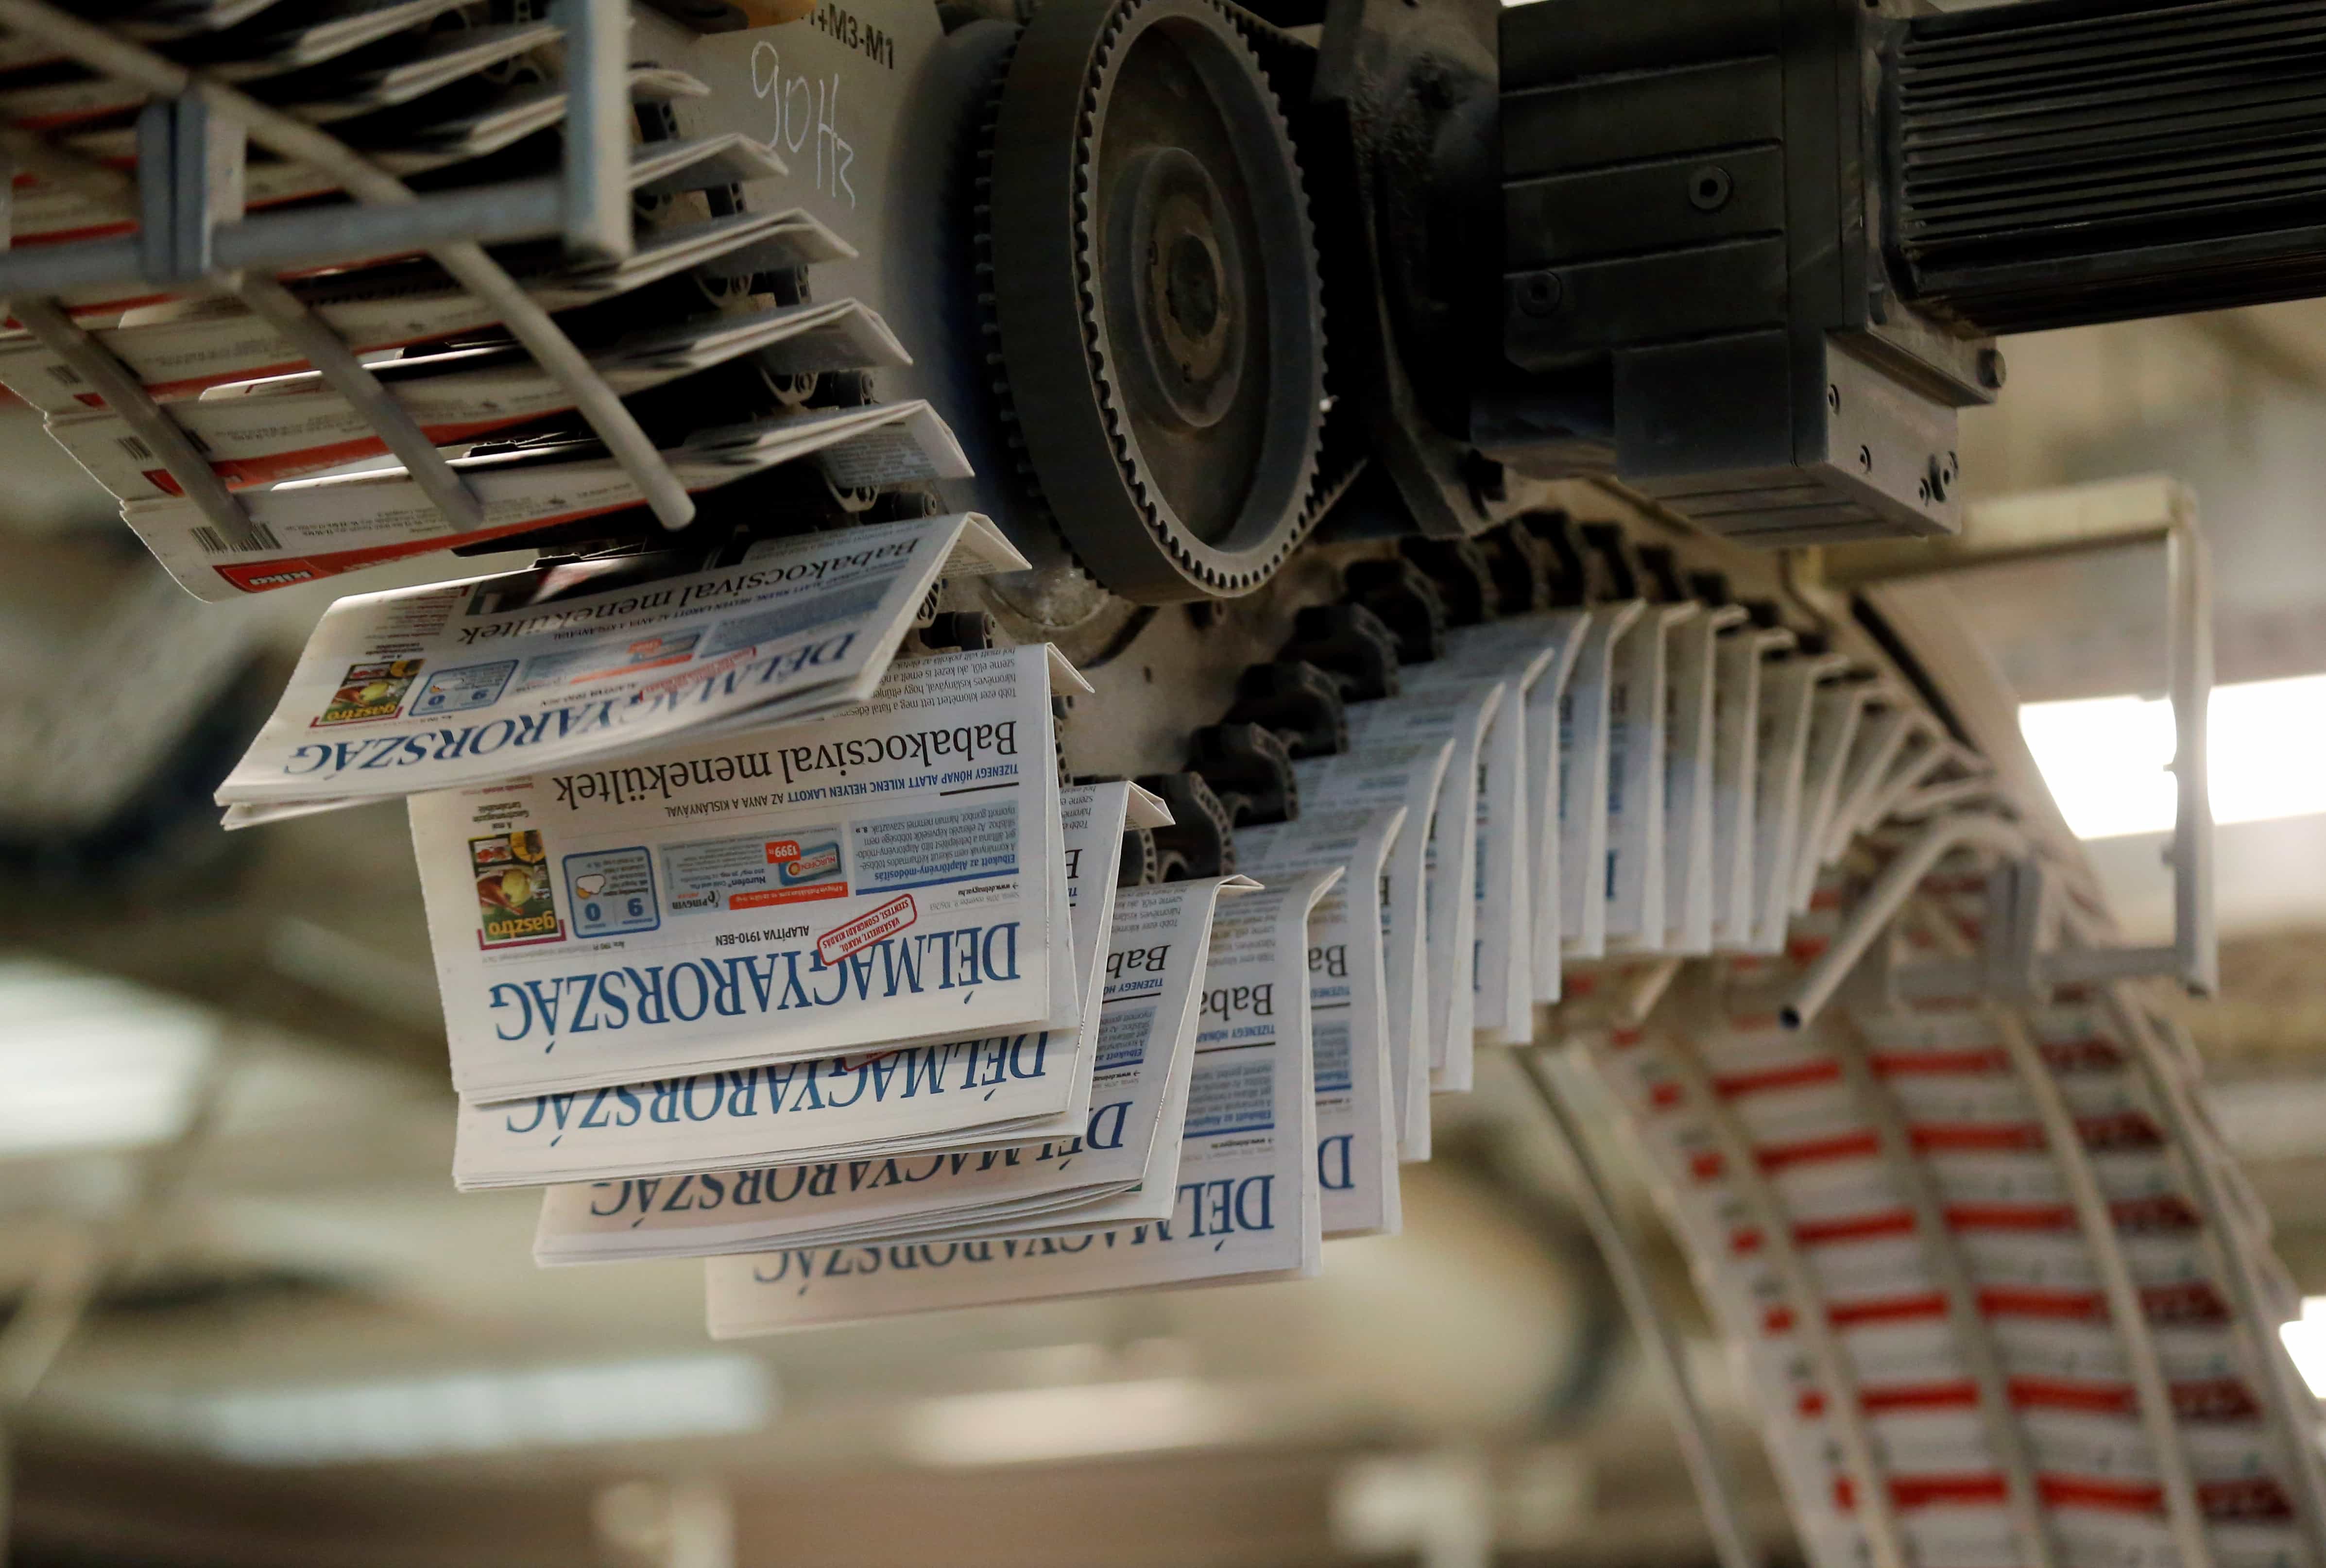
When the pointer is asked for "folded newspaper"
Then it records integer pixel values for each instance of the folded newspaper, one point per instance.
(285, 427)
(464, 682)
(1244, 1204)
(887, 875)
(179, 347)
(1460, 707)
(890, 1100)
(1409, 774)
(306, 530)
(1348, 1007)
(1128, 1140)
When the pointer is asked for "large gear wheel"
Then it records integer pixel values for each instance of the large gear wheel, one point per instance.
(1154, 296)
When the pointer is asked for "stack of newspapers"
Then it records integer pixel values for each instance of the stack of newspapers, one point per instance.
(434, 91)
(760, 943)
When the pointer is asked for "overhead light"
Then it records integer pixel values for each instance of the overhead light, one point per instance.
(87, 1062)
(1081, 1421)
(2305, 1342)
(464, 1412)
(2106, 758)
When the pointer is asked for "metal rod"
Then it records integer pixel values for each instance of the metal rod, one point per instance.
(513, 209)
(2039, 1546)
(331, 357)
(1660, 1339)
(597, 197)
(1876, 1508)
(127, 396)
(475, 270)
(2189, 628)
(1881, 902)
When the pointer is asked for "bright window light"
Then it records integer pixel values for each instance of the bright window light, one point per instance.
(1079, 1420)
(87, 1062)
(2305, 1342)
(2106, 758)
(465, 1413)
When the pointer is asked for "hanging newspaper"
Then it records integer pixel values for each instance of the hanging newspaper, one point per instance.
(1458, 708)
(887, 876)
(1244, 1204)
(892, 1100)
(286, 427)
(179, 347)
(1408, 774)
(1514, 782)
(1549, 646)
(464, 682)
(306, 530)
(1348, 1006)
(1121, 1166)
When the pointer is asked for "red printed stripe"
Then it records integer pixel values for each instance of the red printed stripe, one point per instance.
(1886, 1309)
(1919, 1397)
(1950, 1063)
(1855, 1228)
(1792, 1075)
(2067, 1491)
(1840, 1146)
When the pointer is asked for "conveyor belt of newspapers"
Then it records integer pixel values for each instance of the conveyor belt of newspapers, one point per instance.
(760, 943)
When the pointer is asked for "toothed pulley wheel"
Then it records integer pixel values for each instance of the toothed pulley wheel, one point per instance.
(1154, 296)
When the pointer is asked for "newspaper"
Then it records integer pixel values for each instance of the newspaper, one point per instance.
(1457, 708)
(285, 427)
(1692, 705)
(1555, 642)
(464, 682)
(1514, 781)
(1409, 774)
(1245, 1206)
(1584, 724)
(1788, 690)
(1145, 1035)
(180, 347)
(1834, 720)
(1735, 773)
(944, 1095)
(887, 875)
(1348, 1006)
(1637, 728)
(306, 530)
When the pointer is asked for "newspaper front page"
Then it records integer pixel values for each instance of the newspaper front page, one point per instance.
(1245, 1204)
(1145, 1055)
(887, 876)
(1409, 774)
(763, 1113)
(465, 682)
(1348, 1006)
